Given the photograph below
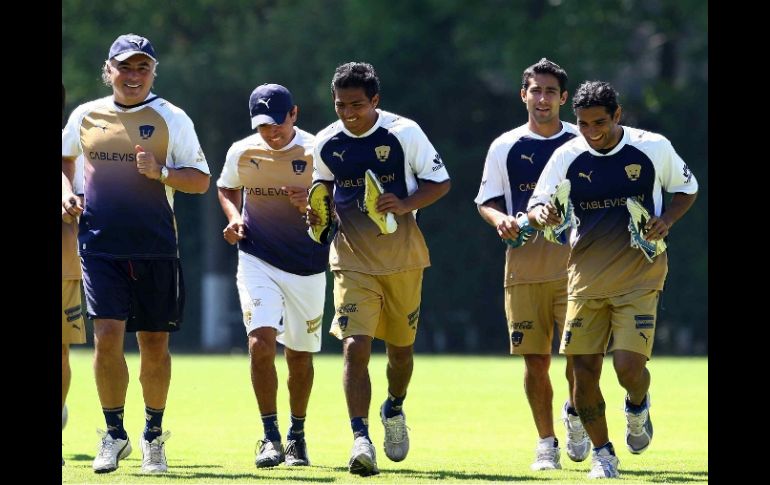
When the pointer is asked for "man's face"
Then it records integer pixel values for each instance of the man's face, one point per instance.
(543, 98)
(132, 79)
(278, 136)
(600, 130)
(356, 111)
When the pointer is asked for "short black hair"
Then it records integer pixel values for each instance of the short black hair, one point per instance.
(544, 66)
(356, 75)
(596, 93)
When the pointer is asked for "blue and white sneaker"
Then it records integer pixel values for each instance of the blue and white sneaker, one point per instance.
(578, 443)
(547, 455)
(638, 427)
(604, 463)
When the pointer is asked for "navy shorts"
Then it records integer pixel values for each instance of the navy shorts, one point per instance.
(148, 294)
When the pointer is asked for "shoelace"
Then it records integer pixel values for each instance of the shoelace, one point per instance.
(156, 453)
(292, 449)
(636, 422)
(545, 454)
(106, 449)
(574, 432)
(397, 428)
(605, 462)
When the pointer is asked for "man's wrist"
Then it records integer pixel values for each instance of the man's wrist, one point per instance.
(163, 174)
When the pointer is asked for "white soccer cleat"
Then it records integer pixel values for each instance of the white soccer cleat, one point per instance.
(604, 465)
(111, 451)
(270, 454)
(638, 219)
(547, 456)
(396, 436)
(578, 442)
(372, 190)
(638, 428)
(363, 458)
(154, 454)
(560, 199)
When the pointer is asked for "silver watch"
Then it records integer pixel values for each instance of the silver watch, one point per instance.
(163, 174)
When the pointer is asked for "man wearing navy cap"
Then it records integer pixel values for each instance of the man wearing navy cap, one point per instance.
(138, 150)
(280, 277)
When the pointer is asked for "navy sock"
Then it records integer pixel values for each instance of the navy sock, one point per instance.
(608, 446)
(297, 429)
(634, 408)
(114, 420)
(392, 405)
(153, 423)
(270, 423)
(360, 427)
(571, 410)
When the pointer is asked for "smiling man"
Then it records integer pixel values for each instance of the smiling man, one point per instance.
(138, 150)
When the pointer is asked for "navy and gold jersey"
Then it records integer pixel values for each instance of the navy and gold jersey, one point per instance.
(602, 262)
(275, 230)
(127, 215)
(513, 164)
(399, 153)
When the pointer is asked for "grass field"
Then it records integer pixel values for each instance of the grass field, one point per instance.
(468, 417)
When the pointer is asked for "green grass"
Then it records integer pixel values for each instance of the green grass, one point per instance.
(468, 416)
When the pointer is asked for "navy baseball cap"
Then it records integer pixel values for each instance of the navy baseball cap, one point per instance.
(127, 45)
(269, 104)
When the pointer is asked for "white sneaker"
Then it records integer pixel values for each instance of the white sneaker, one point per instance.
(154, 454)
(111, 451)
(638, 428)
(270, 454)
(547, 455)
(363, 458)
(604, 465)
(578, 443)
(396, 436)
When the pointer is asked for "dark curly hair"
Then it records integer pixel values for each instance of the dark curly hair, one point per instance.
(596, 93)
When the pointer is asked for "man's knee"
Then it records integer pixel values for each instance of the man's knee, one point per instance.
(399, 357)
(537, 364)
(261, 349)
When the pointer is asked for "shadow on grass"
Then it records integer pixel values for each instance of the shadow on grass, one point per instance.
(252, 476)
(667, 477)
(443, 474)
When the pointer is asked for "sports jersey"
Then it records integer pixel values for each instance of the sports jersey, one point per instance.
(126, 215)
(643, 164)
(275, 230)
(399, 153)
(514, 162)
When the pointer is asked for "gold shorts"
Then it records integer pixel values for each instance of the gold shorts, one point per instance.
(531, 310)
(386, 307)
(73, 329)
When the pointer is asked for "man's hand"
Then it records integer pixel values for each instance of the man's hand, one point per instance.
(547, 215)
(234, 232)
(655, 229)
(146, 164)
(297, 197)
(507, 228)
(389, 202)
(71, 208)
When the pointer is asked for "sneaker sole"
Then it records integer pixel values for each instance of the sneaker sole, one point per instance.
(121, 455)
(267, 464)
(363, 466)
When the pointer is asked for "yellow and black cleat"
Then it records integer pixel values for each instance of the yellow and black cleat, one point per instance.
(372, 190)
(320, 201)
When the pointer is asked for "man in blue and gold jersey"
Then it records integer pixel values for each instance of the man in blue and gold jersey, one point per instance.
(377, 276)
(281, 271)
(138, 150)
(613, 288)
(535, 270)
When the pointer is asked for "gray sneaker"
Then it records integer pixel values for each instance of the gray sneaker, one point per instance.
(604, 465)
(638, 428)
(396, 436)
(296, 453)
(578, 443)
(154, 454)
(363, 458)
(111, 451)
(270, 454)
(547, 456)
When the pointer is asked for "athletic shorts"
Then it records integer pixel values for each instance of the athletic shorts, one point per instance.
(73, 329)
(532, 309)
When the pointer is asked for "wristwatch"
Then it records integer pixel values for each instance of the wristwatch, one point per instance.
(163, 174)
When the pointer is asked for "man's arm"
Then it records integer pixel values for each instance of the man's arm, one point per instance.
(71, 205)
(492, 212)
(231, 201)
(426, 194)
(658, 227)
(185, 179)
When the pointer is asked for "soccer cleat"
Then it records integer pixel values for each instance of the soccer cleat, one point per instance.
(320, 201)
(111, 451)
(560, 199)
(604, 464)
(363, 458)
(372, 190)
(396, 436)
(154, 454)
(578, 443)
(296, 453)
(525, 231)
(270, 454)
(64, 416)
(547, 456)
(638, 428)
(639, 218)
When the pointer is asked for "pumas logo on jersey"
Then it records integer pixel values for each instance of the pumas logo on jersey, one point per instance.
(342, 322)
(633, 171)
(587, 177)
(517, 338)
(146, 131)
(312, 325)
(531, 158)
(382, 152)
(339, 154)
(247, 317)
(298, 166)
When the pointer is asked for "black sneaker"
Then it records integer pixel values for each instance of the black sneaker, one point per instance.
(270, 454)
(296, 453)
